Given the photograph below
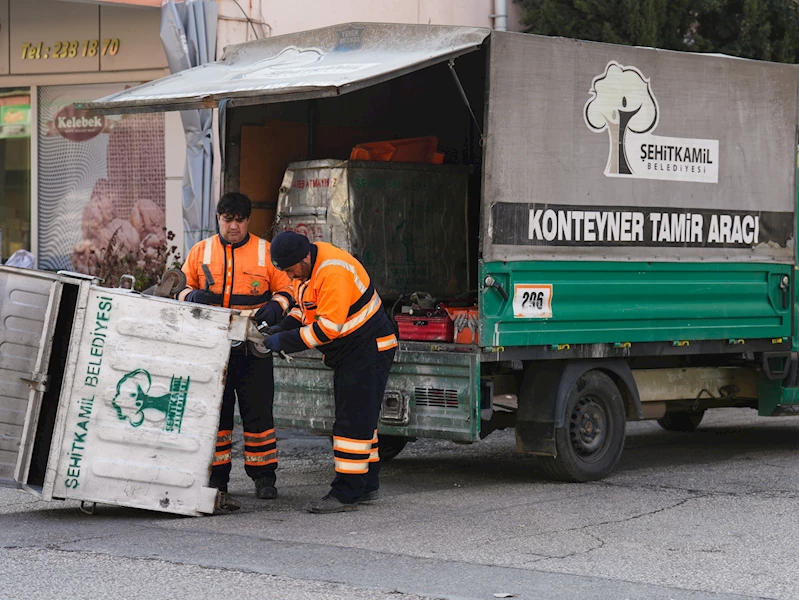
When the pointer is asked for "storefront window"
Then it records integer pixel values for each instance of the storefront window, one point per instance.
(102, 183)
(15, 171)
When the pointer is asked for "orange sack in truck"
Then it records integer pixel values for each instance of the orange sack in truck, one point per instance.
(412, 150)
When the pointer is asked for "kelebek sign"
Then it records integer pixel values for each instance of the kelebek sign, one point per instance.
(77, 125)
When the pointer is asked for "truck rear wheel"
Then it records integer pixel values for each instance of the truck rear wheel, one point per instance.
(591, 439)
(390, 445)
(682, 420)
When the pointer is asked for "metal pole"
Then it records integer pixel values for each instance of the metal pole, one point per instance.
(501, 15)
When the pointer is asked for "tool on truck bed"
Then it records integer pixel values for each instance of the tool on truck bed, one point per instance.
(428, 319)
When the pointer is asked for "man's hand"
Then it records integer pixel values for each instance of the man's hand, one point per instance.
(199, 297)
(272, 342)
(269, 313)
(268, 329)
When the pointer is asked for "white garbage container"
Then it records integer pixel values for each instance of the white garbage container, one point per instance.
(125, 392)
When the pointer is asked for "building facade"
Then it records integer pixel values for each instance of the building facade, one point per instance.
(276, 17)
(66, 179)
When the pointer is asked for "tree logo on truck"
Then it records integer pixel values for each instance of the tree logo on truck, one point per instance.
(136, 401)
(622, 103)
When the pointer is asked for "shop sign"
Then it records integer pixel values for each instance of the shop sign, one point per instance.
(70, 49)
(15, 121)
(77, 125)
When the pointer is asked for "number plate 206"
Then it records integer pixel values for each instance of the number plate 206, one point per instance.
(532, 301)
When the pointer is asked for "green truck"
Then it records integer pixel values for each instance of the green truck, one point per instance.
(624, 218)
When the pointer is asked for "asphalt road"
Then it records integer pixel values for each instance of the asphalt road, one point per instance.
(710, 515)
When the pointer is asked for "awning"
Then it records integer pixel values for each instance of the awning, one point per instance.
(309, 64)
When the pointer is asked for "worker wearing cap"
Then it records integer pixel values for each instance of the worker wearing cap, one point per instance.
(339, 312)
(241, 277)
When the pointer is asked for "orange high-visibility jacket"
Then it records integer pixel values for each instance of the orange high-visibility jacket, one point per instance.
(337, 304)
(244, 277)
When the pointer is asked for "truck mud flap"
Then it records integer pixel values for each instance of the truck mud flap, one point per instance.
(543, 397)
(779, 365)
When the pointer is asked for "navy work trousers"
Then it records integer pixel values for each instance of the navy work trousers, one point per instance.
(359, 382)
(251, 380)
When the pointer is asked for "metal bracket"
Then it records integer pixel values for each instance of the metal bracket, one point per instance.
(785, 286)
(130, 279)
(243, 328)
(37, 382)
(776, 365)
(87, 507)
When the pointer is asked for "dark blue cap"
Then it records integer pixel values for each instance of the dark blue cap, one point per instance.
(288, 248)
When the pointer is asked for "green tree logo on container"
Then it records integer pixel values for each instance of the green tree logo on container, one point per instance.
(134, 400)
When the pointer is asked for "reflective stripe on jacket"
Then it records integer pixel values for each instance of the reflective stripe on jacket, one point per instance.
(336, 306)
(243, 275)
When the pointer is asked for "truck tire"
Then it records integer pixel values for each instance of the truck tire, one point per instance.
(591, 439)
(389, 446)
(682, 420)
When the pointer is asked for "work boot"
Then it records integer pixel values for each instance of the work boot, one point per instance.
(222, 487)
(225, 503)
(265, 488)
(369, 497)
(328, 505)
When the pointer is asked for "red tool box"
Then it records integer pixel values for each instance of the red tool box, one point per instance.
(425, 329)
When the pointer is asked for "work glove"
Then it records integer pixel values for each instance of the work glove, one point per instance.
(200, 297)
(272, 342)
(273, 330)
(269, 313)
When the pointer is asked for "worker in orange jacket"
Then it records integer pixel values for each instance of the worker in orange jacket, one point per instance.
(241, 277)
(339, 312)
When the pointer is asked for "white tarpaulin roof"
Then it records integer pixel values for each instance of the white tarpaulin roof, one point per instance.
(317, 63)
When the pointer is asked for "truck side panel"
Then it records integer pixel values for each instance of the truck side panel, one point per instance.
(613, 302)
(608, 153)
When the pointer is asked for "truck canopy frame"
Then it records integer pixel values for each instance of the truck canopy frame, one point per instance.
(312, 64)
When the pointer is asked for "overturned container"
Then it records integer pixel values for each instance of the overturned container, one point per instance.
(107, 395)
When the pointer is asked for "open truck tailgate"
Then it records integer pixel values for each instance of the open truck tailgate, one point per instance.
(430, 393)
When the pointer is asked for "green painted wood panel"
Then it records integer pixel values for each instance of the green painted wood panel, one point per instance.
(609, 302)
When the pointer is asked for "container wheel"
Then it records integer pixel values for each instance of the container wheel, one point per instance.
(390, 445)
(258, 349)
(591, 439)
(682, 420)
(172, 281)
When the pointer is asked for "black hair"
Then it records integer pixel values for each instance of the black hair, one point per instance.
(234, 204)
